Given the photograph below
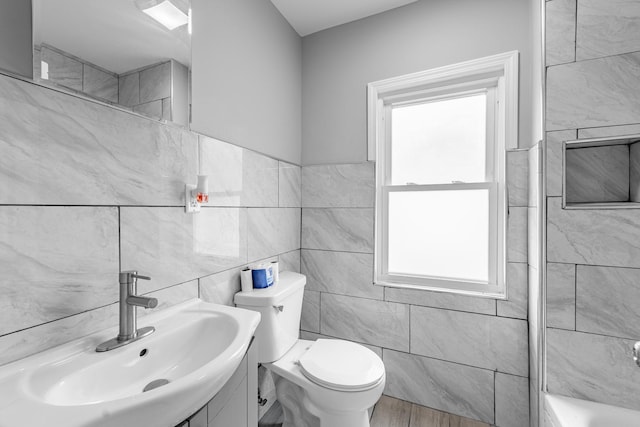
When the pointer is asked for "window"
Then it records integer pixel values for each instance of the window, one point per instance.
(439, 139)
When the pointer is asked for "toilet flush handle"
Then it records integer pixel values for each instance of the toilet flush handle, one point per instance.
(280, 308)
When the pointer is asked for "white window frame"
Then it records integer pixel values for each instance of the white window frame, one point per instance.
(497, 76)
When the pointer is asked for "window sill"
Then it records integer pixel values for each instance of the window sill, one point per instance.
(464, 292)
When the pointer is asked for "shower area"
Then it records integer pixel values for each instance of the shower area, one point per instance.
(586, 321)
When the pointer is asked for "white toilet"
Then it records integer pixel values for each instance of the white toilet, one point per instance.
(323, 383)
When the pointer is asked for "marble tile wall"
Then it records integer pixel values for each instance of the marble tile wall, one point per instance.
(533, 298)
(338, 186)
(151, 109)
(597, 174)
(634, 172)
(129, 89)
(45, 279)
(343, 273)
(147, 91)
(596, 237)
(87, 191)
(512, 405)
(64, 150)
(469, 392)
(486, 335)
(177, 246)
(434, 344)
(155, 82)
(598, 290)
(592, 367)
(353, 229)
(99, 83)
(74, 73)
(607, 84)
(592, 255)
(272, 231)
(561, 296)
(560, 27)
(242, 177)
(63, 70)
(607, 27)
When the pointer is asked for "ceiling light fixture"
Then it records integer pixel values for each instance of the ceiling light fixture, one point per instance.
(166, 13)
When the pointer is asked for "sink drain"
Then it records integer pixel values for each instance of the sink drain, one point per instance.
(155, 384)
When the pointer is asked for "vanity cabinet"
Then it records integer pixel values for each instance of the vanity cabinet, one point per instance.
(234, 413)
(236, 404)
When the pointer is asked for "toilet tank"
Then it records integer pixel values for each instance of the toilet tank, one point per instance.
(280, 306)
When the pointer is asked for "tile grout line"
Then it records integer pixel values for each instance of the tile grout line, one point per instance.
(629, 172)
(495, 395)
(447, 361)
(596, 58)
(575, 35)
(409, 322)
(119, 240)
(575, 298)
(335, 251)
(301, 219)
(616, 337)
(319, 312)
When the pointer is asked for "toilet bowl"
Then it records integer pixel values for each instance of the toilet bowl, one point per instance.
(323, 383)
(336, 403)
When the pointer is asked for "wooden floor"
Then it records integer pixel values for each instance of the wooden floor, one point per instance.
(390, 412)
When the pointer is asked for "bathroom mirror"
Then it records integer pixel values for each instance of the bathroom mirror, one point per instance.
(133, 54)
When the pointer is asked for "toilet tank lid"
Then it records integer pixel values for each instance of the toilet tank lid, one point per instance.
(288, 283)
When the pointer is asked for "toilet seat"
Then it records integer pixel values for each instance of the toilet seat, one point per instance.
(341, 365)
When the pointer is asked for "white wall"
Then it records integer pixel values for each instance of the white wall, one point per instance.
(537, 67)
(247, 76)
(15, 37)
(339, 62)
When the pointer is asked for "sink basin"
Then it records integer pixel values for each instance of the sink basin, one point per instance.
(159, 380)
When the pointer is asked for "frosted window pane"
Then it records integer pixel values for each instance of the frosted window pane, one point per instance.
(439, 142)
(440, 234)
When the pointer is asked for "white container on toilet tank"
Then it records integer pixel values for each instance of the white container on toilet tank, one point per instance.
(280, 306)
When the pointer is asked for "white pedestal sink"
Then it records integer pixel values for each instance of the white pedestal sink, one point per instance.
(196, 348)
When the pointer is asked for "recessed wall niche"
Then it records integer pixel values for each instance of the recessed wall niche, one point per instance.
(602, 173)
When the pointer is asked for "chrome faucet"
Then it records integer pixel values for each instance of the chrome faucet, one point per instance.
(128, 303)
(636, 353)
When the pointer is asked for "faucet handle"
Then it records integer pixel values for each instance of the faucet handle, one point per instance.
(130, 276)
